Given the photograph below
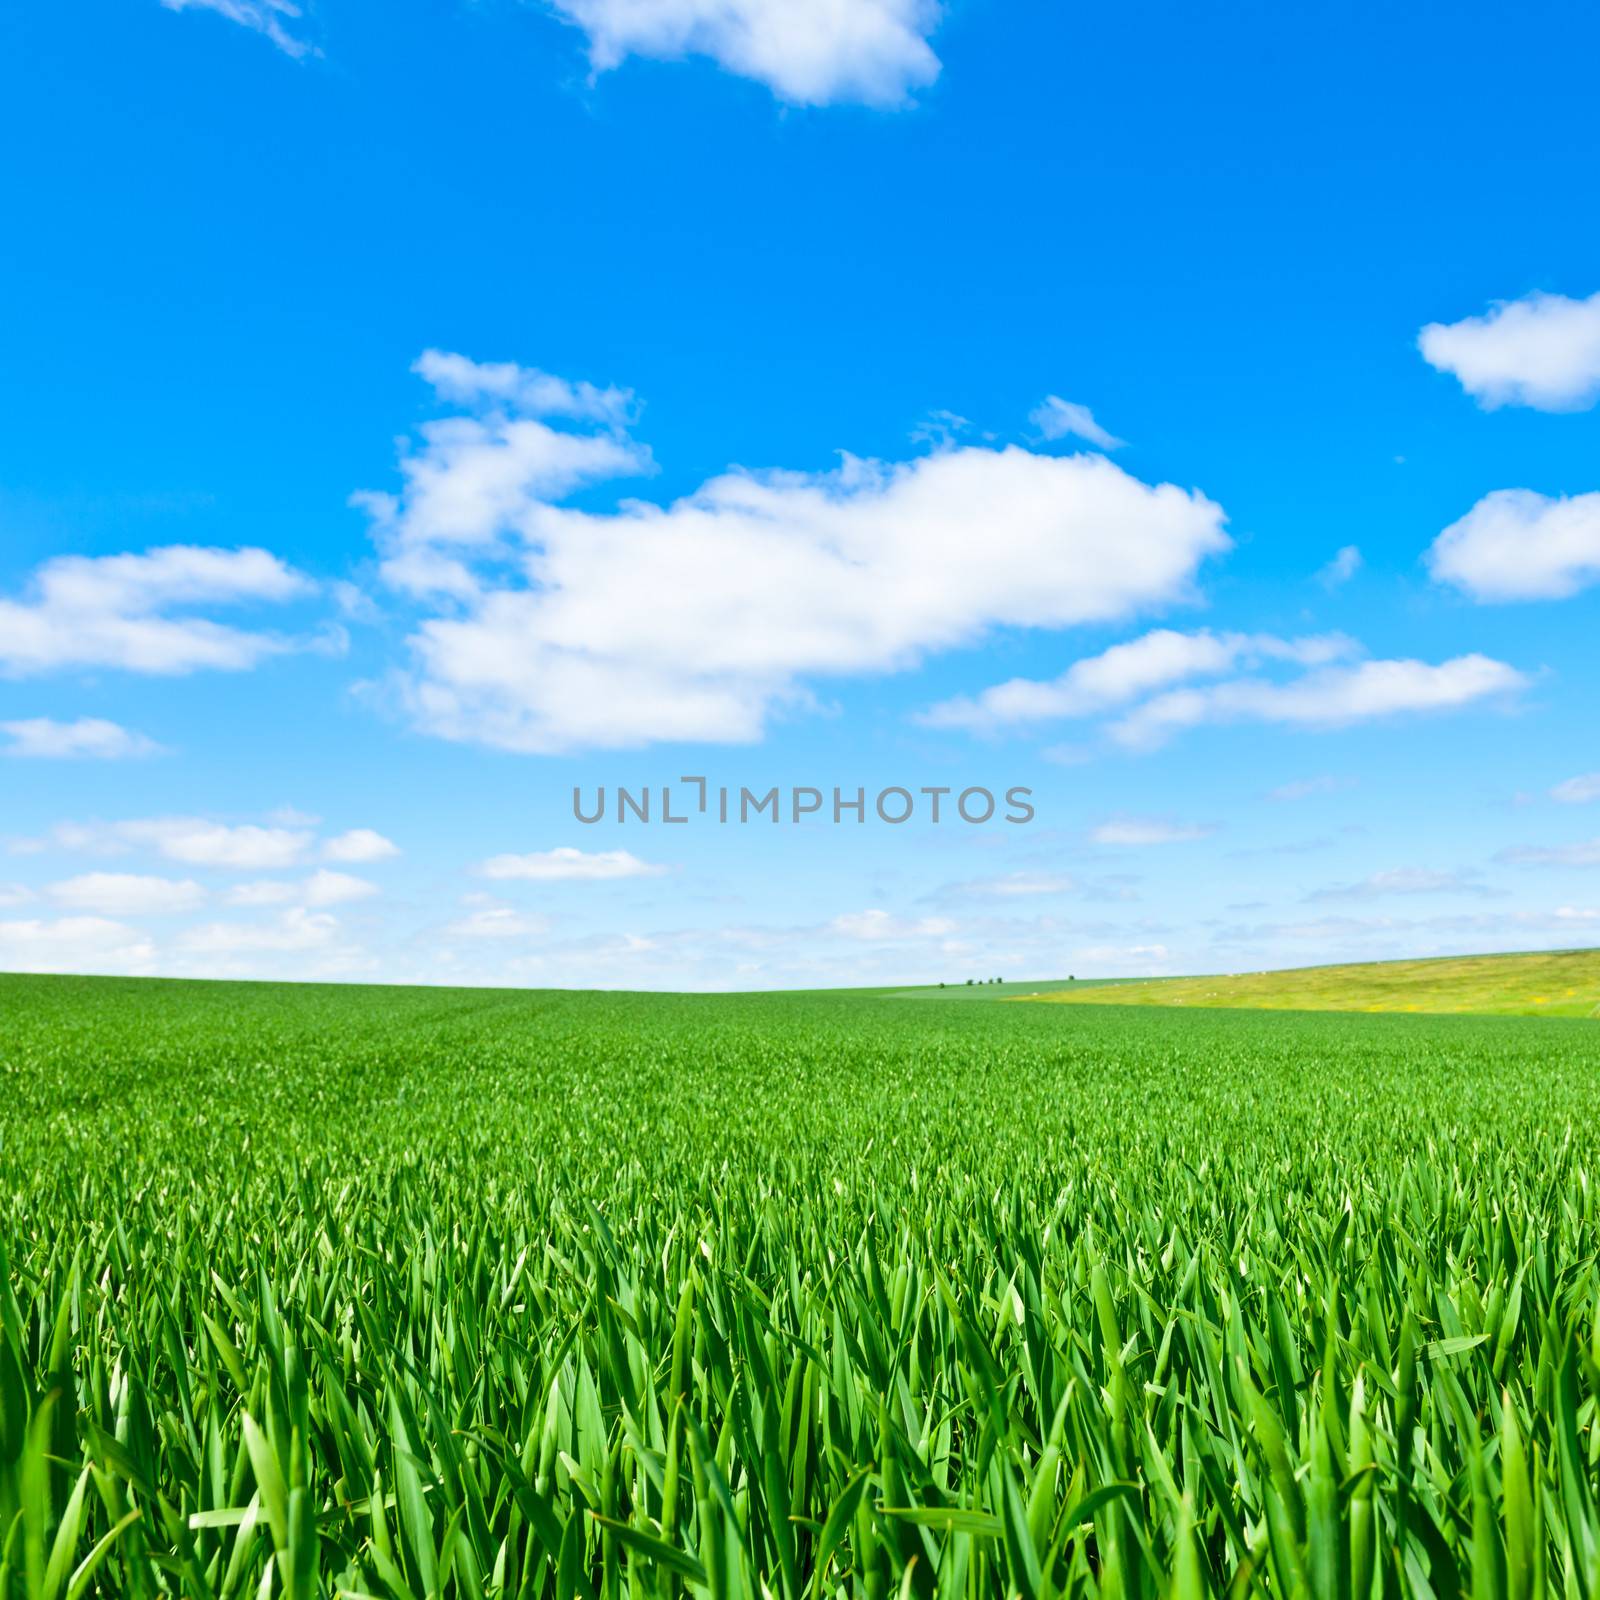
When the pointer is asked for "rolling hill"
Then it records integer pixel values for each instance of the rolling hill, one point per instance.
(1562, 983)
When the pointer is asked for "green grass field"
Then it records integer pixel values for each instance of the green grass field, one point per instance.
(1563, 983)
(312, 1291)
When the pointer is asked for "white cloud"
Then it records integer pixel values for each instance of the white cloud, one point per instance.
(243, 847)
(497, 922)
(1144, 958)
(1541, 351)
(1014, 885)
(89, 738)
(296, 930)
(1331, 697)
(1345, 565)
(114, 611)
(74, 944)
(1056, 418)
(568, 865)
(550, 633)
(1586, 853)
(1516, 544)
(14, 894)
(192, 840)
(808, 52)
(1403, 880)
(1578, 791)
(322, 888)
(126, 894)
(1305, 788)
(1124, 673)
(358, 845)
(462, 381)
(875, 926)
(1149, 830)
(260, 16)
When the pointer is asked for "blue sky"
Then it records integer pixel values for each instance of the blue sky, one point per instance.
(414, 412)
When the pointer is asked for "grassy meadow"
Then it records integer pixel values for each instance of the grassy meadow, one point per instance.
(315, 1291)
(1560, 983)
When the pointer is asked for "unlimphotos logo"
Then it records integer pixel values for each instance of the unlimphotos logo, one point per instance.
(725, 803)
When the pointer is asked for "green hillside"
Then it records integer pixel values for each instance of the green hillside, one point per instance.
(1562, 983)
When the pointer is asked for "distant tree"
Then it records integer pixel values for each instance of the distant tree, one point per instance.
(969, 983)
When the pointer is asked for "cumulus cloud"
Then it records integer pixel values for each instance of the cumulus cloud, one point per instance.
(89, 738)
(232, 847)
(322, 888)
(1577, 791)
(126, 894)
(807, 52)
(1516, 544)
(1330, 697)
(132, 612)
(269, 17)
(1124, 673)
(566, 865)
(1137, 831)
(358, 845)
(548, 632)
(1056, 418)
(1541, 351)
(74, 944)
(195, 841)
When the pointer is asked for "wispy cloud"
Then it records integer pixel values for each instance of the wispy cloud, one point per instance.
(89, 739)
(876, 926)
(1125, 673)
(1056, 418)
(566, 865)
(497, 922)
(1584, 853)
(1403, 881)
(1345, 564)
(126, 894)
(1333, 697)
(268, 17)
(1306, 788)
(1577, 791)
(1137, 831)
(135, 612)
(203, 842)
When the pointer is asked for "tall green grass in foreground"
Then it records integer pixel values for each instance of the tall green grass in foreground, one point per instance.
(445, 1293)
